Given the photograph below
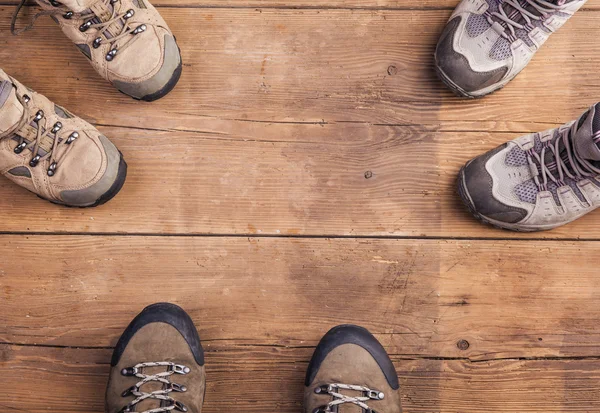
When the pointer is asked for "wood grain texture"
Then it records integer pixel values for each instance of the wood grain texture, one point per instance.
(319, 4)
(319, 66)
(507, 299)
(259, 379)
(279, 179)
(279, 115)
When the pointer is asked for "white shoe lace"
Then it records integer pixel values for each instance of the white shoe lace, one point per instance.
(162, 394)
(339, 398)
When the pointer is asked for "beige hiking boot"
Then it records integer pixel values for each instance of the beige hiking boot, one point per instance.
(127, 42)
(350, 372)
(53, 153)
(158, 364)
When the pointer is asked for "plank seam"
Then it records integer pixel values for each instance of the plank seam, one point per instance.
(291, 236)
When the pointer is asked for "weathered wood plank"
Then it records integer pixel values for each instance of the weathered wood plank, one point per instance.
(507, 299)
(321, 4)
(258, 379)
(281, 179)
(313, 66)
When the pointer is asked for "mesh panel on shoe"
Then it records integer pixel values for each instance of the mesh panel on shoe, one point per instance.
(477, 25)
(516, 157)
(501, 50)
(527, 191)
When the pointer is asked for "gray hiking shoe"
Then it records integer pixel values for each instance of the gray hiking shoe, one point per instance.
(487, 43)
(350, 372)
(538, 181)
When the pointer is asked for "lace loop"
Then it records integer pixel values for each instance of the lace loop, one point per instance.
(162, 394)
(566, 163)
(339, 398)
(521, 13)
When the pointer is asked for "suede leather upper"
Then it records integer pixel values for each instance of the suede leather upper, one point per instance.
(88, 167)
(145, 63)
(351, 358)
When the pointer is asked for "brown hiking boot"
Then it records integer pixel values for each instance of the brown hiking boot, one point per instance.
(350, 372)
(127, 42)
(53, 153)
(158, 364)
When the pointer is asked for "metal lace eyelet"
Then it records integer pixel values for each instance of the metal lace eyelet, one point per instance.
(129, 371)
(52, 169)
(71, 138)
(323, 389)
(38, 116)
(26, 98)
(130, 390)
(57, 126)
(180, 406)
(85, 26)
(68, 15)
(55, 3)
(20, 147)
(129, 14)
(36, 159)
(97, 42)
(178, 388)
(139, 29)
(125, 409)
(376, 395)
(180, 369)
(111, 55)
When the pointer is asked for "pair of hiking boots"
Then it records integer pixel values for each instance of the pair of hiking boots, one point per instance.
(158, 366)
(57, 155)
(539, 181)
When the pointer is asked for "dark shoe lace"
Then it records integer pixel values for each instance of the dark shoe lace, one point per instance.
(39, 122)
(339, 398)
(163, 394)
(564, 160)
(91, 21)
(522, 17)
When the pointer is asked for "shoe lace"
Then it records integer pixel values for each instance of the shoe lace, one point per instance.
(162, 394)
(339, 398)
(565, 163)
(91, 21)
(515, 19)
(40, 123)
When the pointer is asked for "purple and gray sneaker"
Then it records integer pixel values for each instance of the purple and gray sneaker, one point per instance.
(539, 181)
(487, 43)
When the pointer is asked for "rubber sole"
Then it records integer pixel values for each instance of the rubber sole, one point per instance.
(456, 89)
(463, 193)
(162, 313)
(351, 334)
(167, 88)
(108, 195)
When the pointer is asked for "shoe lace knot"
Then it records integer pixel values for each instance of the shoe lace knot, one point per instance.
(555, 161)
(105, 16)
(167, 402)
(334, 389)
(34, 131)
(521, 14)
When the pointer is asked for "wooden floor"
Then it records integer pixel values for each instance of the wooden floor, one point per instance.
(301, 175)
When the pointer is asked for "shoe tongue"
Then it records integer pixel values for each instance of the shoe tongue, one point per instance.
(587, 137)
(11, 110)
